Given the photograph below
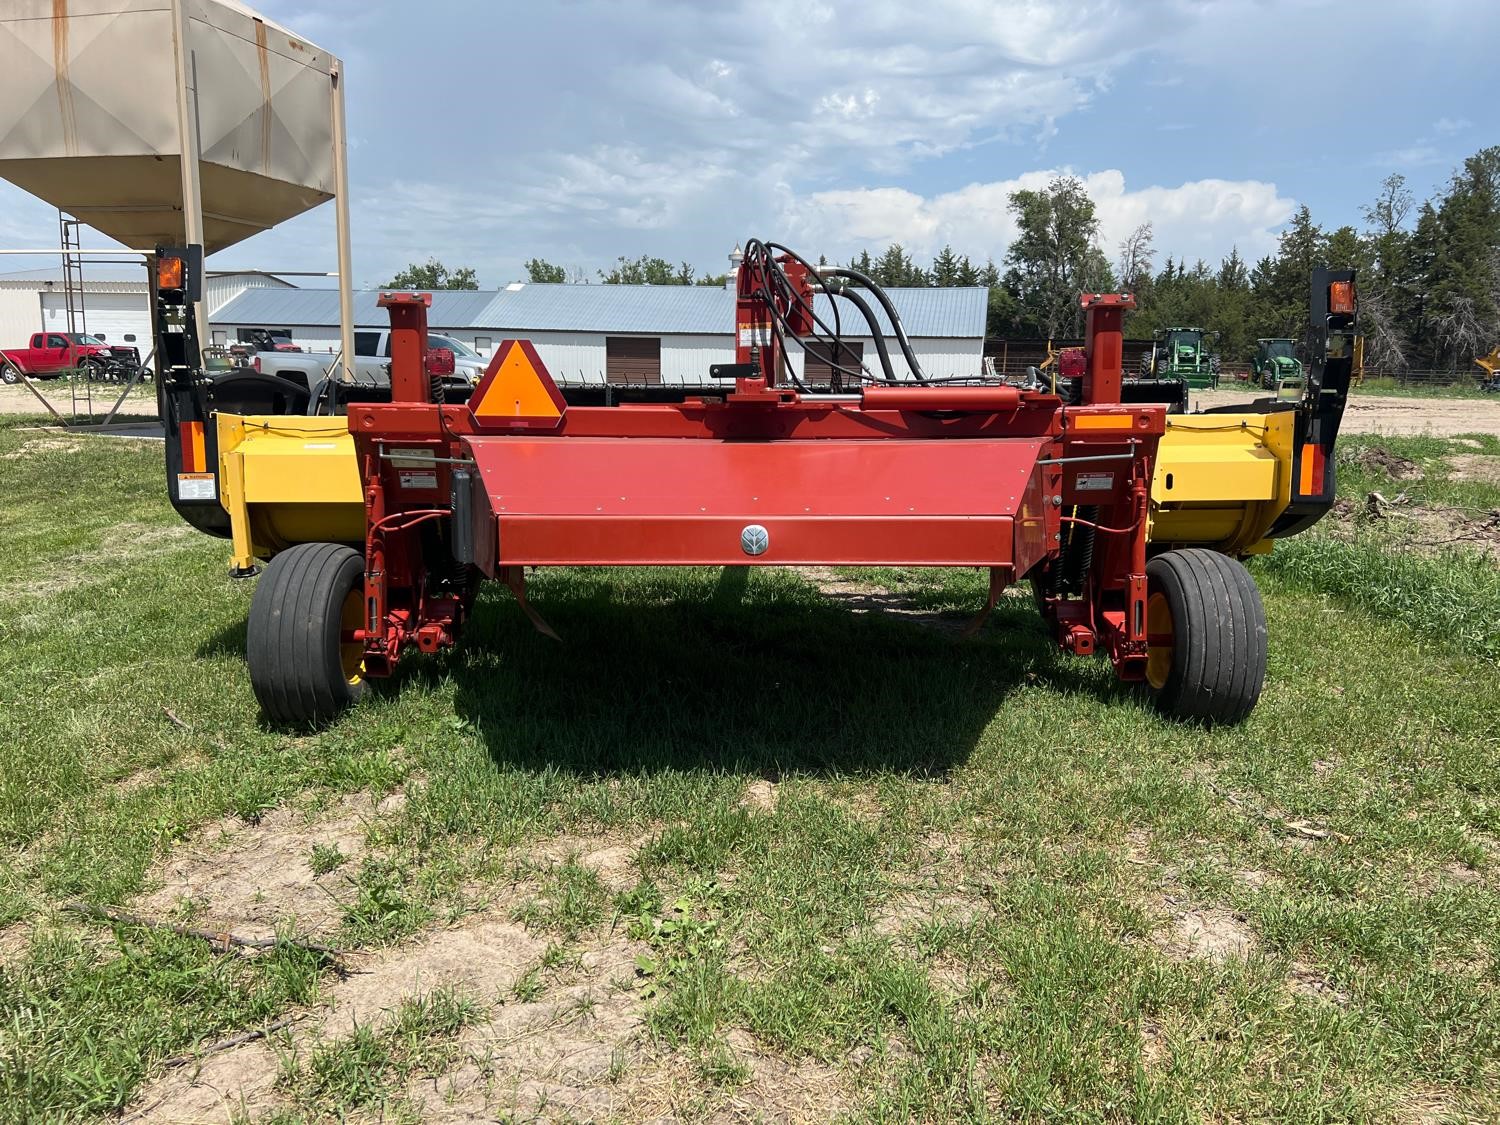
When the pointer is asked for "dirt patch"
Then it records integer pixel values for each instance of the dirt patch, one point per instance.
(1433, 529)
(1307, 981)
(1389, 414)
(918, 906)
(1376, 459)
(1482, 467)
(1156, 1055)
(864, 597)
(1255, 879)
(250, 878)
(1210, 934)
(759, 795)
(781, 1089)
(224, 1087)
(1456, 872)
(566, 1055)
(482, 960)
(611, 857)
(15, 940)
(124, 542)
(38, 446)
(16, 399)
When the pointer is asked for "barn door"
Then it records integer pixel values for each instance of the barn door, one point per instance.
(818, 368)
(632, 359)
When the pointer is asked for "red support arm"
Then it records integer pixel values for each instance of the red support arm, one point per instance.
(1104, 346)
(409, 379)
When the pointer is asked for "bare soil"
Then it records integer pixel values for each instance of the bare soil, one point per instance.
(1207, 934)
(251, 878)
(16, 399)
(578, 1051)
(1391, 414)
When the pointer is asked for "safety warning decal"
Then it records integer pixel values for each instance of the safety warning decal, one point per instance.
(752, 334)
(412, 479)
(1094, 482)
(196, 486)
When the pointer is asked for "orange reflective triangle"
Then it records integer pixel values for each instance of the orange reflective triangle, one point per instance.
(517, 388)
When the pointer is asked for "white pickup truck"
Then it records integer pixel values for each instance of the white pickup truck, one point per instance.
(372, 357)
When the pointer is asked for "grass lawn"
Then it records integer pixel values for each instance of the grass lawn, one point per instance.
(1388, 385)
(747, 852)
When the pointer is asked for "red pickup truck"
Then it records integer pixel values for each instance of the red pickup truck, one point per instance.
(52, 353)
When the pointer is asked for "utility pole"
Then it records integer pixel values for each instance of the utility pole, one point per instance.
(341, 219)
(187, 143)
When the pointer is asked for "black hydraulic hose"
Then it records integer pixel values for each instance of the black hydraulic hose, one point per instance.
(890, 310)
(780, 320)
(879, 337)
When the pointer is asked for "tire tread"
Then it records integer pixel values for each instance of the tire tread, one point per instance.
(1219, 648)
(292, 640)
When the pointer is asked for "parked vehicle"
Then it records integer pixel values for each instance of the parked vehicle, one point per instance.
(1275, 363)
(1490, 365)
(49, 354)
(1182, 353)
(372, 358)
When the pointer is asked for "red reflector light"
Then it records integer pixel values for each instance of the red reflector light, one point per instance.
(1341, 298)
(1314, 468)
(440, 361)
(169, 273)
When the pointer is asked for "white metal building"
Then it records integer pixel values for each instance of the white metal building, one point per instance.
(116, 301)
(622, 333)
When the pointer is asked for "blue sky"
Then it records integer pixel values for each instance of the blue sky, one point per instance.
(489, 131)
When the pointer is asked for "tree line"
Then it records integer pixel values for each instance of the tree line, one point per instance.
(1429, 273)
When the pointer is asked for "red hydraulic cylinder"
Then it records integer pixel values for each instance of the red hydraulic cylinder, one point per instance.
(920, 397)
(1104, 346)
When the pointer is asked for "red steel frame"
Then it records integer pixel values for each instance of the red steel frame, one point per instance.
(913, 475)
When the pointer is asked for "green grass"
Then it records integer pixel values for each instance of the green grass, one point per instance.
(957, 904)
(1387, 385)
(370, 1068)
(1448, 597)
(81, 1018)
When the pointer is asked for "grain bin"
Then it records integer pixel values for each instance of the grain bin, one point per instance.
(90, 117)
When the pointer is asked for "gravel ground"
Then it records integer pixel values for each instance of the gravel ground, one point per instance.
(1370, 414)
(17, 399)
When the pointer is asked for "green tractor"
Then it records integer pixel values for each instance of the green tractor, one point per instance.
(1181, 353)
(1275, 364)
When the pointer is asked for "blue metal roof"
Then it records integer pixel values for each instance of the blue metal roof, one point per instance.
(647, 309)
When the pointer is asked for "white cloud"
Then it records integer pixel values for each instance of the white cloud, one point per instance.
(1203, 218)
(1409, 156)
(1447, 126)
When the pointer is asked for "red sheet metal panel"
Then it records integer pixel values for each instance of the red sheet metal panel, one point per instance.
(614, 501)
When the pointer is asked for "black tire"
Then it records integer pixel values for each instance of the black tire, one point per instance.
(8, 375)
(91, 371)
(302, 672)
(1208, 660)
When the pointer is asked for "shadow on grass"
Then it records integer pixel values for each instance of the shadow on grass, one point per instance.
(730, 672)
(677, 670)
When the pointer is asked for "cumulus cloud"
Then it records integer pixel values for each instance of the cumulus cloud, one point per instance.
(583, 130)
(1203, 218)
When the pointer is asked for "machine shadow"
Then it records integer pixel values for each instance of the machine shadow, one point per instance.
(660, 679)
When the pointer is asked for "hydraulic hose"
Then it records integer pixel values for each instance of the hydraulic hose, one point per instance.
(890, 311)
(876, 334)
